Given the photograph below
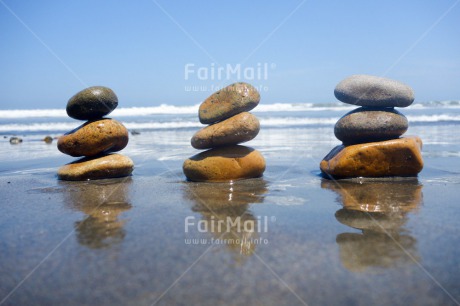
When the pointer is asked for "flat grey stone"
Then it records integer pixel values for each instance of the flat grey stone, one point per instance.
(367, 90)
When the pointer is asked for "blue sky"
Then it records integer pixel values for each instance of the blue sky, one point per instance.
(49, 50)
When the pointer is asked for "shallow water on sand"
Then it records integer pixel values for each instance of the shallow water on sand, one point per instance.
(289, 238)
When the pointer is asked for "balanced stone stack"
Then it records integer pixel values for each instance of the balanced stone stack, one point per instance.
(95, 139)
(230, 123)
(372, 146)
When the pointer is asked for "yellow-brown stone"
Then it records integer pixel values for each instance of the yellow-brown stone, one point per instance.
(225, 164)
(227, 102)
(396, 157)
(100, 167)
(237, 129)
(94, 137)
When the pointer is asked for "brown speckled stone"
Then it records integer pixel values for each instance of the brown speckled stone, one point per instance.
(94, 137)
(396, 157)
(225, 164)
(368, 124)
(369, 90)
(99, 167)
(229, 101)
(237, 129)
(92, 103)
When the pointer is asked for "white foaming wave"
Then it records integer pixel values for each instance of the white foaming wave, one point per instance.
(295, 121)
(32, 113)
(68, 126)
(433, 118)
(38, 127)
(302, 107)
(162, 125)
(165, 109)
(443, 104)
(264, 122)
(193, 109)
(119, 112)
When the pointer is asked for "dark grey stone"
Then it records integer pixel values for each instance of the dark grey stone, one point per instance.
(92, 103)
(370, 124)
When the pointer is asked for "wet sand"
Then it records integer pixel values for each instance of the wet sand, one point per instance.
(288, 238)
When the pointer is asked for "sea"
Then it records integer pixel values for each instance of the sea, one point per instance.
(162, 133)
(170, 117)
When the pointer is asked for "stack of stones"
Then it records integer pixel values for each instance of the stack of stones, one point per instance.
(230, 123)
(372, 146)
(94, 139)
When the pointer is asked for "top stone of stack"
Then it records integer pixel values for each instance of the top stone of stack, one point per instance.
(373, 91)
(92, 103)
(227, 102)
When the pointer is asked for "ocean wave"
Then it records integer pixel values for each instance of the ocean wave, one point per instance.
(441, 104)
(32, 113)
(68, 126)
(296, 121)
(433, 118)
(165, 109)
(63, 127)
(119, 112)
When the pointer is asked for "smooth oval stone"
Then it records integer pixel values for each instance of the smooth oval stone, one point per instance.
(229, 101)
(94, 137)
(368, 125)
(237, 129)
(92, 103)
(224, 164)
(368, 90)
(99, 167)
(396, 157)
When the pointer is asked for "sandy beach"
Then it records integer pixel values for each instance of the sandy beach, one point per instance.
(290, 237)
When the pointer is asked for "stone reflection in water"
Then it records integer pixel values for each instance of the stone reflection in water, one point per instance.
(102, 202)
(224, 208)
(379, 209)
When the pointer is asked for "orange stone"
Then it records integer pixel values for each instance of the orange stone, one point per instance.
(94, 137)
(100, 167)
(234, 130)
(225, 164)
(396, 157)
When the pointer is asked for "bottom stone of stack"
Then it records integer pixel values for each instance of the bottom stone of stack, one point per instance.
(395, 157)
(99, 167)
(224, 164)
